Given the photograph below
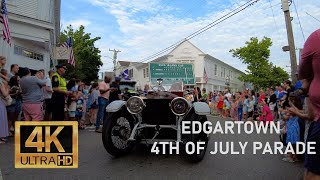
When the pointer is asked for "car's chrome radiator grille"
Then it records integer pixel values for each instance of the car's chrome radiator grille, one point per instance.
(157, 112)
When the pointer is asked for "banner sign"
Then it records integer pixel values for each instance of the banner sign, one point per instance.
(61, 53)
(171, 73)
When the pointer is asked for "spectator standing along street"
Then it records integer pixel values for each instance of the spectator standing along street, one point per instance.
(14, 69)
(115, 93)
(31, 87)
(309, 70)
(47, 94)
(103, 101)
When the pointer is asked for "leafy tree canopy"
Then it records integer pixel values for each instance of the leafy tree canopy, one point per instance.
(87, 56)
(262, 73)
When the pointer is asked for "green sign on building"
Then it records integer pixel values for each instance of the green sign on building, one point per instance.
(171, 73)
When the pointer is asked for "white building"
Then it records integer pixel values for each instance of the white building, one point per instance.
(35, 29)
(217, 71)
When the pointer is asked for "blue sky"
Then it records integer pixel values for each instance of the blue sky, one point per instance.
(140, 28)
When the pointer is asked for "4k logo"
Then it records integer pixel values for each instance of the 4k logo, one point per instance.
(46, 144)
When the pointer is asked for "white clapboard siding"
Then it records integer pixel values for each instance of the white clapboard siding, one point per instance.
(36, 9)
(28, 8)
(45, 9)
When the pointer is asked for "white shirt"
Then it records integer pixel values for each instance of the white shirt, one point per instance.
(46, 94)
(228, 95)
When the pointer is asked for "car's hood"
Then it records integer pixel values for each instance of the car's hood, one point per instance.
(161, 95)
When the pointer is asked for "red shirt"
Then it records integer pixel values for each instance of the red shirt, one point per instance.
(262, 97)
(310, 67)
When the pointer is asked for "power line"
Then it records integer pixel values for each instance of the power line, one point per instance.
(294, 4)
(200, 31)
(274, 19)
(313, 17)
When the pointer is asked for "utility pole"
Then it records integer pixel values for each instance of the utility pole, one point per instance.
(115, 55)
(292, 49)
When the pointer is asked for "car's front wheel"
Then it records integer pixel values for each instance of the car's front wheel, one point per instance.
(116, 131)
(196, 138)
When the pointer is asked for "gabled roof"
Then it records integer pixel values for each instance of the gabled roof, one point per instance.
(124, 63)
(186, 41)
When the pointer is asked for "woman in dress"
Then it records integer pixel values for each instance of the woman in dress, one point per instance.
(220, 104)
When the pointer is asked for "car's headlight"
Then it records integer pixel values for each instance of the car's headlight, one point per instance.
(135, 105)
(179, 106)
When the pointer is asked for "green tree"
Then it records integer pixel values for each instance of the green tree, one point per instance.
(87, 56)
(255, 54)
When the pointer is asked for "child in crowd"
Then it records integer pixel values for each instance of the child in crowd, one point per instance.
(220, 104)
(293, 128)
(72, 105)
(250, 107)
(266, 115)
(93, 98)
(226, 107)
(240, 107)
(233, 108)
(245, 107)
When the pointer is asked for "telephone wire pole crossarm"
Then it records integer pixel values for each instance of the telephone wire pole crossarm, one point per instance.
(115, 56)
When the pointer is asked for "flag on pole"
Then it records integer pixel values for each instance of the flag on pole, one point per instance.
(68, 44)
(125, 74)
(205, 77)
(4, 21)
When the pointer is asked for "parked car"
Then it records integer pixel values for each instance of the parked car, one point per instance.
(152, 118)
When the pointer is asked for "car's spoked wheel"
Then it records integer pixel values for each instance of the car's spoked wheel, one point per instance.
(121, 133)
(116, 132)
(195, 138)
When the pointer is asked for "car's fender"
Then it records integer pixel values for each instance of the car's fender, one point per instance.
(201, 108)
(115, 106)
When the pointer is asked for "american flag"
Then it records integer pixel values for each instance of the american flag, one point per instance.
(205, 76)
(68, 44)
(4, 21)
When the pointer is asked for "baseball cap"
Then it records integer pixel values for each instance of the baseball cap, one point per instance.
(61, 66)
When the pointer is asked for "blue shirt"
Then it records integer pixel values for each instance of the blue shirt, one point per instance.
(282, 94)
(298, 85)
(227, 104)
(276, 92)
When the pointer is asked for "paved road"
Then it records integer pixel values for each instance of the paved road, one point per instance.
(96, 163)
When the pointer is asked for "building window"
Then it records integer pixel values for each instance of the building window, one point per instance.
(231, 75)
(145, 72)
(130, 73)
(224, 72)
(215, 69)
(221, 71)
(27, 53)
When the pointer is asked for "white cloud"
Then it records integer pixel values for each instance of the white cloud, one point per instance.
(161, 28)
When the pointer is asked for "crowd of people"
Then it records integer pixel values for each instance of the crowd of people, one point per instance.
(264, 105)
(36, 97)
